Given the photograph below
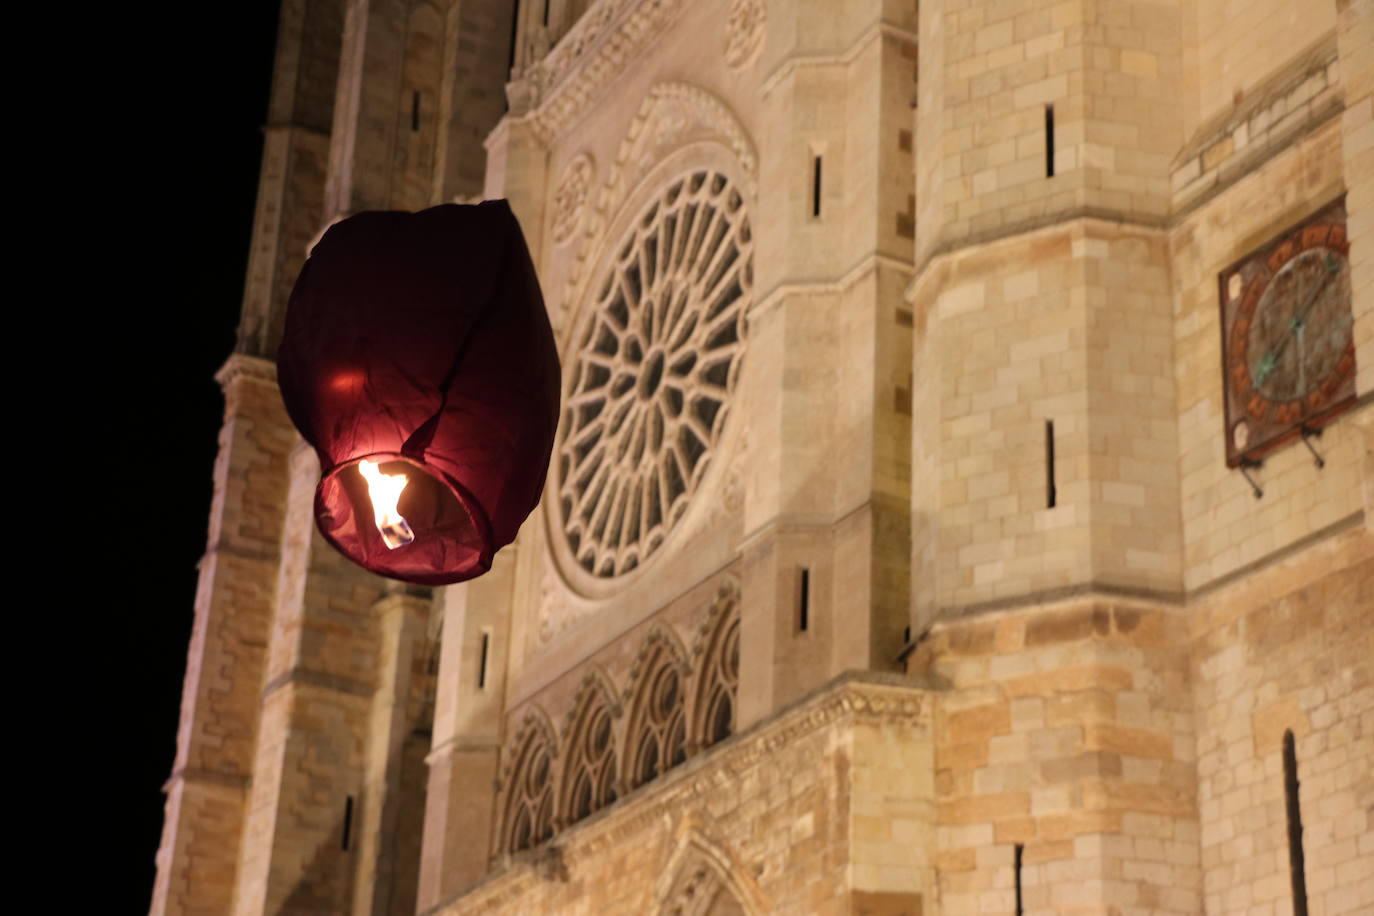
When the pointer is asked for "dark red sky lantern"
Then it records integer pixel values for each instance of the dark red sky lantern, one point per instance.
(417, 345)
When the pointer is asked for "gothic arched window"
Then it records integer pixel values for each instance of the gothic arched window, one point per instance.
(717, 674)
(589, 771)
(657, 734)
(529, 793)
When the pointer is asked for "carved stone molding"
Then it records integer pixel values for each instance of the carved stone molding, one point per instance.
(534, 719)
(595, 680)
(574, 187)
(593, 53)
(660, 634)
(552, 615)
(698, 872)
(671, 115)
(744, 32)
(727, 597)
(241, 366)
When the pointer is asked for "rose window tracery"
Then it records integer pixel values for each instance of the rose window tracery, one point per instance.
(655, 370)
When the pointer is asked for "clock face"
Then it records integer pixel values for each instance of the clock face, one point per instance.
(1287, 336)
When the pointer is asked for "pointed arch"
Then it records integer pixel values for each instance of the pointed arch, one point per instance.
(526, 785)
(701, 878)
(656, 732)
(716, 678)
(594, 681)
(590, 774)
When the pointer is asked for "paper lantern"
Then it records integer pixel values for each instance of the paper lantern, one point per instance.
(416, 345)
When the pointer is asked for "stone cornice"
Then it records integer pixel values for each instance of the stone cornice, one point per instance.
(1301, 98)
(191, 776)
(593, 53)
(855, 696)
(251, 368)
(879, 29)
(862, 269)
(322, 680)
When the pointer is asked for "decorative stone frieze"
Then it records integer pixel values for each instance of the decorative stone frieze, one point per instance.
(593, 53)
(573, 189)
(744, 32)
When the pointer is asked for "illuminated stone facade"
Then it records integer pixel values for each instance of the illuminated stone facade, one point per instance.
(890, 560)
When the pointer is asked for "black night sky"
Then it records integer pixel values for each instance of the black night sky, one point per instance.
(186, 163)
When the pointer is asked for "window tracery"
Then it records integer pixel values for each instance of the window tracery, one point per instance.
(657, 730)
(718, 673)
(590, 771)
(528, 820)
(655, 369)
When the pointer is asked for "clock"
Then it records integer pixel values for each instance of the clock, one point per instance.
(1288, 347)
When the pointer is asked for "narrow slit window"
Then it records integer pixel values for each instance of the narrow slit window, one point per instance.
(804, 604)
(482, 663)
(514, 34)
(1051, 491)
(1049, 141)
(415, 111)
(347, 824)
(816, 186)
(1296, 863)
(546, 13)
(1020, 850)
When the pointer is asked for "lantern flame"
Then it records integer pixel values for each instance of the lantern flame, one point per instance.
(385, 490)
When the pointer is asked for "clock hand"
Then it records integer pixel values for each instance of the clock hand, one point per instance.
(1270, 360)
(1302, 363)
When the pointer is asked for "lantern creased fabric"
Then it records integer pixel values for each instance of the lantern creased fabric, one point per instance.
(420, 341)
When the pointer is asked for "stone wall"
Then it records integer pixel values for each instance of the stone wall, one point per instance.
(1289, 648)
(824, 809)
(1067, 729)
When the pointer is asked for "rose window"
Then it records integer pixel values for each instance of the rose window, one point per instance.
(656, 365)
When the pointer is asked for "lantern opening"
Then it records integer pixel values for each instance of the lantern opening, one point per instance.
(445, 526)
(385, 492)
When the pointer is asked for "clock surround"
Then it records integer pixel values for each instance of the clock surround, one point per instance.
(1288, 351)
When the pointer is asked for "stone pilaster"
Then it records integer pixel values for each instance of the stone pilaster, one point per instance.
(828, 391)
(206, 792)
(368, 108)
(460, 811)
(1046, 417)
(517, 169)
(472, 97)
(294, 159)
(397, 739)
(1355, 41)
(308, 787)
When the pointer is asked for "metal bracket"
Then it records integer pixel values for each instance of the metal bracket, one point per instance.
(1245, 465)
(1310, 433)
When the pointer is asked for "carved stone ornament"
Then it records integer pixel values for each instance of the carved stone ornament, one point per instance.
(702, 878)
(574, 187)
(555, 87)
(744, 32)
(550, 605)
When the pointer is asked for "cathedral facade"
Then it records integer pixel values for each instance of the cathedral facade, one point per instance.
(963, 498)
